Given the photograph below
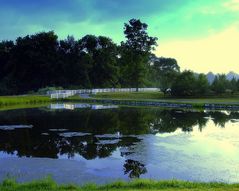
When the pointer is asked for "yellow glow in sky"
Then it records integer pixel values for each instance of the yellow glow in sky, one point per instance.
(233, 5)
(218, 52)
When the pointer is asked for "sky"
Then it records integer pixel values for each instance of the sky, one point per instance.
(202, 35)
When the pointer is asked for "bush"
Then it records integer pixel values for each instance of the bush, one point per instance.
(43, 91)
(185, 84)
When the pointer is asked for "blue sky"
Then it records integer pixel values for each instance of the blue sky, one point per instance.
(203, 35)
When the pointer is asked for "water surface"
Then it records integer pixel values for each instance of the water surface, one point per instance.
(78, 143)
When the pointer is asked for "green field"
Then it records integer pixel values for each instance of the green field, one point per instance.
(136, 185)
(130, 95)
(158, 96)
(23, 99)
(29, 101)
(22, 106)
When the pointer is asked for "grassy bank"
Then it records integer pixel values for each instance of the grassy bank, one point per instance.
(130, 95)
(23, 106)
(26, 101)
(160, 97)
(142, 98)
(136, 185)
(6, 101)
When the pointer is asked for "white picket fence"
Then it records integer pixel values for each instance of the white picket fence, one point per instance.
(59, 94)
(69, 106)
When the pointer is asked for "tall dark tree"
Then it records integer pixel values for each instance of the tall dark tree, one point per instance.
(75, 64)
(34, 60)
(202, 84)
(220, 84)
(233, 85)
(237, 84)
(185, 84)
(165, 72)
(102, 50)
(6, 48)
(7, 83)
(137, 50)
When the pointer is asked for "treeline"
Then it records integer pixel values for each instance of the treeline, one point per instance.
(42, 60)
(188, 83)
(166, 74)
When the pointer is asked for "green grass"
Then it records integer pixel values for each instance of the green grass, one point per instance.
(158, 96)
(29, 101)
(130, 95)
(136, 185)
(7, 101)
(23, 106)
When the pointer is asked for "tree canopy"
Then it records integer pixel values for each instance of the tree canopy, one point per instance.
(165, 72)
(137, 51)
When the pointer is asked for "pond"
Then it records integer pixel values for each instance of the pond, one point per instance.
(80, 143)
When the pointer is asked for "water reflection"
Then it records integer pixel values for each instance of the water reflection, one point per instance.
(134, 168)
(97, 134)
(94, 133)
(71, 106)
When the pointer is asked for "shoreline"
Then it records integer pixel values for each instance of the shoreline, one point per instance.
(26, 101)
(159, 103)
(48, 184)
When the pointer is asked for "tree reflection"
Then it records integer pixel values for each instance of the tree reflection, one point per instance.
(168, 121)
(134, 168)
(125, 121)
(220, 118)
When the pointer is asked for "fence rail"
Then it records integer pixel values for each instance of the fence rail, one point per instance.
(59, 94)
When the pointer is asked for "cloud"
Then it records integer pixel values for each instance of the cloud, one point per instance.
(37, 10)
(135, 8)
(19, 18)
(168, 20)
